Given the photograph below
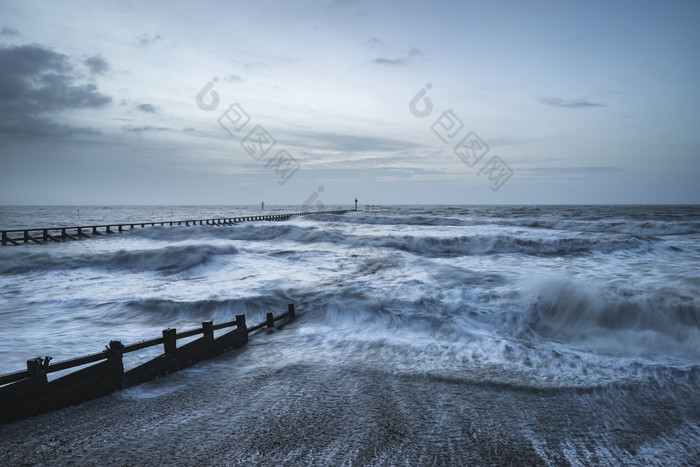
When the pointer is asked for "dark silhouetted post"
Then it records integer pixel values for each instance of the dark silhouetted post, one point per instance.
(355, 203)
(240, 322)
(208, 328)
(115, 349)
(169, 340)
(291, 312)
(270, 321)
(34, 366)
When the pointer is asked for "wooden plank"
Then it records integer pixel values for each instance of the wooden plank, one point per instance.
(8, 239)
(142, 345)
(196, 351)
(48, 236)
(16, 399)
(231, 340)
(180, 358)
(257, 326)
(12, 377)
(193, 332)
(159, 366)
(225, 325)
(80, 361)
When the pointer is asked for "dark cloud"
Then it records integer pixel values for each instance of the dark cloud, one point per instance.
(231, 78)
(97, 64)
(569, 103)
(32, 126)
(7, 31)
(148, 108)
(573, 170)
(34, 80)
(145, 39)
(144, 128)
(390, 61)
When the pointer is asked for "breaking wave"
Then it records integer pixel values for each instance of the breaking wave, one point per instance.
(619, 321)
(166, 259)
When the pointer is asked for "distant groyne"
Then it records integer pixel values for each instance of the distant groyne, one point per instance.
(60, 234)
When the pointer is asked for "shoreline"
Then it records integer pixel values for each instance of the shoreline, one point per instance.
(348, 414)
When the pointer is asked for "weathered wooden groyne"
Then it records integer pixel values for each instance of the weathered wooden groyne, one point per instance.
(28, 392)
(60, 234)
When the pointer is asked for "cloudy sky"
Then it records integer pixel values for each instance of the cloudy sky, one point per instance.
(469, 102)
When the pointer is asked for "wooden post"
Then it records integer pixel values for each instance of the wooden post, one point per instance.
(270, 320)
(26, 236)
(208, 328)
(115, 349)
(240, 322)
(4, 238)
(34, 366)
(290, 311)
(170, 340)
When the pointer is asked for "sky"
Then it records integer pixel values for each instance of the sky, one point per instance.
(392, 102)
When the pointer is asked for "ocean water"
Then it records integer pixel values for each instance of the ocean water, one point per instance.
(597, 305)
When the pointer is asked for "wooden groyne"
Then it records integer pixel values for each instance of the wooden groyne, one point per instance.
(27, 393)
(61, 234)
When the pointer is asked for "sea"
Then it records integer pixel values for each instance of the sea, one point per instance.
(581, 323)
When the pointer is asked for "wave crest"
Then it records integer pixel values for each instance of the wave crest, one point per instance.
(621, 322)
